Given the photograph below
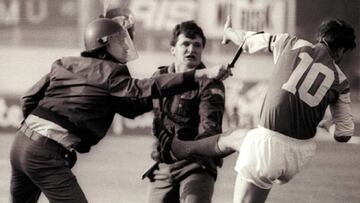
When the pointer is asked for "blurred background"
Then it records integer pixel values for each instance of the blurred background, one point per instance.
(36, 32)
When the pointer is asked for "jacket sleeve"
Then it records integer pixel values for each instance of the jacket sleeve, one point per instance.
(211, 109)
(164, 85)
(134, 107)
(31, 98)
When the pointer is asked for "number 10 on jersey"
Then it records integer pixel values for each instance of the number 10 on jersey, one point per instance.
(316, 83)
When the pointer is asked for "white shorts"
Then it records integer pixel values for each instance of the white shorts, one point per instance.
(267, 157)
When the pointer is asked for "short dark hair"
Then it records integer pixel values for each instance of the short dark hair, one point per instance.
(190, 29)
(337, 34)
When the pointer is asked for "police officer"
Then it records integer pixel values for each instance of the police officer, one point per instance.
(189, 116)
(72, 107)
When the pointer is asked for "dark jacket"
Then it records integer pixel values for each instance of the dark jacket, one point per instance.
(194, 114)
(82, 94)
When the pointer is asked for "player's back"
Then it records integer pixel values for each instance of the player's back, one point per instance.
(304, 82)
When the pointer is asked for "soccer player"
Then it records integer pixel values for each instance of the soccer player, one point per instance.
(306, 80)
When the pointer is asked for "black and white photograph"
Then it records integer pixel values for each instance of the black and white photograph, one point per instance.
(180, 101)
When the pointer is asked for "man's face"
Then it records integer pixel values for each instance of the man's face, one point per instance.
(187, 51)
(121, 47)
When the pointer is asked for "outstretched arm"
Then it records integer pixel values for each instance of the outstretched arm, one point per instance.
(124, 86)
(252, 41)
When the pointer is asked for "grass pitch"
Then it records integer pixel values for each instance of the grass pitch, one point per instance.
(111, 173)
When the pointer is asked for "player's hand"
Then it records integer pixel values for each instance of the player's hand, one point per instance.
(228, 25)
(218, 72)
(230, 35)
(330, 128)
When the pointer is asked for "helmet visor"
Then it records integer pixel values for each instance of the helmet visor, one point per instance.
(121, 46)
(125, 21)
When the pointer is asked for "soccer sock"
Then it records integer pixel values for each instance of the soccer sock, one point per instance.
(206, 147)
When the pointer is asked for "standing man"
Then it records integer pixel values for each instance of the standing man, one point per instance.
(306, 80)
(72, 107)
(191, 115)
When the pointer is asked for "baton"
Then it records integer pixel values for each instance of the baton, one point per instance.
(240, 50)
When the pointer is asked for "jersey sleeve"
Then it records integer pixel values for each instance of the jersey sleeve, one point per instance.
(341, 113)
(256, 43)
(277, 44)
(341, 110)
(265, 43)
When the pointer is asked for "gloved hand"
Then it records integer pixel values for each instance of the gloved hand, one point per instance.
(82, 147)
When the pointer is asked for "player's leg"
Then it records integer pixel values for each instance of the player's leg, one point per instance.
(246, 192)
(220, 145)
(197, 188)
(256, 168)
(231, 140)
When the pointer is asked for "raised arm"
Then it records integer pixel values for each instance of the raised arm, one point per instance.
(252, 43)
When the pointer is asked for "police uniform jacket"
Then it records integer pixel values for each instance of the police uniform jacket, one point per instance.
(82, 94)
(194, 114)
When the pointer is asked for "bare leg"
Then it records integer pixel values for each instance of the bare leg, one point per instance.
(231, 140)
(246, 192)
(220, 145)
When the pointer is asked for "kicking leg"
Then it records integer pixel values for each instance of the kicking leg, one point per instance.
(246, 192)
(220, 145)
(231, 140)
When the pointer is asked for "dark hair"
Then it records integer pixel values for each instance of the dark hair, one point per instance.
(190, 29)
(337, 34)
